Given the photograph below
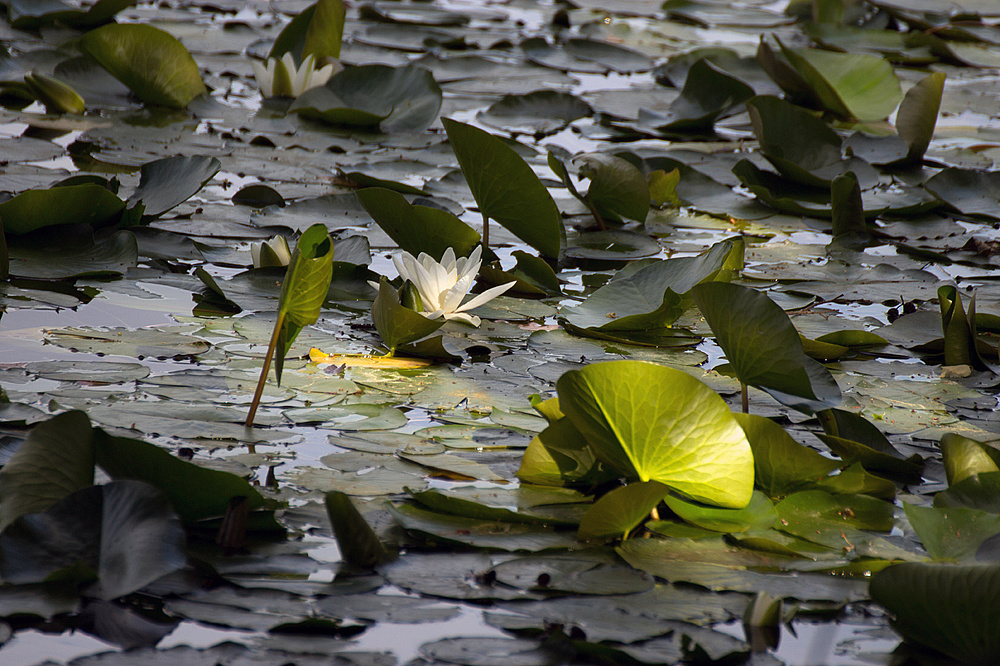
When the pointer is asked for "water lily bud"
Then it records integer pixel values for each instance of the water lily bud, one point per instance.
(54, 94)
(274, 252)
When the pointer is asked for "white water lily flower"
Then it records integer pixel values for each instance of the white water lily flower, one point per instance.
(278, 248)
(281, 78)
(443, 286)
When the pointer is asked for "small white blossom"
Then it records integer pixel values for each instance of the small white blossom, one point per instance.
(281, 78)
(443, 286)
(279, 248)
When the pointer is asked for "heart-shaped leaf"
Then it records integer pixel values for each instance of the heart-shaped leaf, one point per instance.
(151, 62)
(654, 423)
(763, 347)
(374, 97)
(123, 534)
(506, 189)
(417, 228)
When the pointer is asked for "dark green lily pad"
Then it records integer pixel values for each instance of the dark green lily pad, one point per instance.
(763, 347)
(506, 188)
(375, 97)
(939, 606)
(151, 62)
(540, 112)
(115, 538)
(71, 204)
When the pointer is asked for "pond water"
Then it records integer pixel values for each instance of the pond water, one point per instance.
(124, 327)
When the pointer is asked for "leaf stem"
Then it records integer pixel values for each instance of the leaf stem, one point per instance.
(486, 232)
(744, 395)
(263, 371)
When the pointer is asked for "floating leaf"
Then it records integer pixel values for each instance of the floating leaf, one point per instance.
(374, 97)
(196, 493)
(151, 62)
(31, 14)
(654, 423)
(648, 297)
(506, 188)
(71, 204)
(169, 182)
(540, 112)
(941, 606)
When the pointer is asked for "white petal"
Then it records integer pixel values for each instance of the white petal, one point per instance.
(486, 296)
(448, 258)
(401, 268)
(453, 298)
(264, 75)
(320, 77)
(255, 254)
(461, 316)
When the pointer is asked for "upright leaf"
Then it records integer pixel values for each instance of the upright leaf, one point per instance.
(151, 62)
(918, 112)
(506, 189)
(763, 347)
(396, 324)
(303, 291)
(781, 464)
(654, 423)
(317, 30)
(852, 85)
(617, 189)
(56, 459)
(416, 228)
(359, 545)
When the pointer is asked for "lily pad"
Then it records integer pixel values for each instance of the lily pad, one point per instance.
(115, 539)
(151, 62)
(540, 112)
(618, 512)
(375, 97)
(506, 188)
(939, 606)
(417, 228)
(70, 204)
(654, 423)
(763, 347)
